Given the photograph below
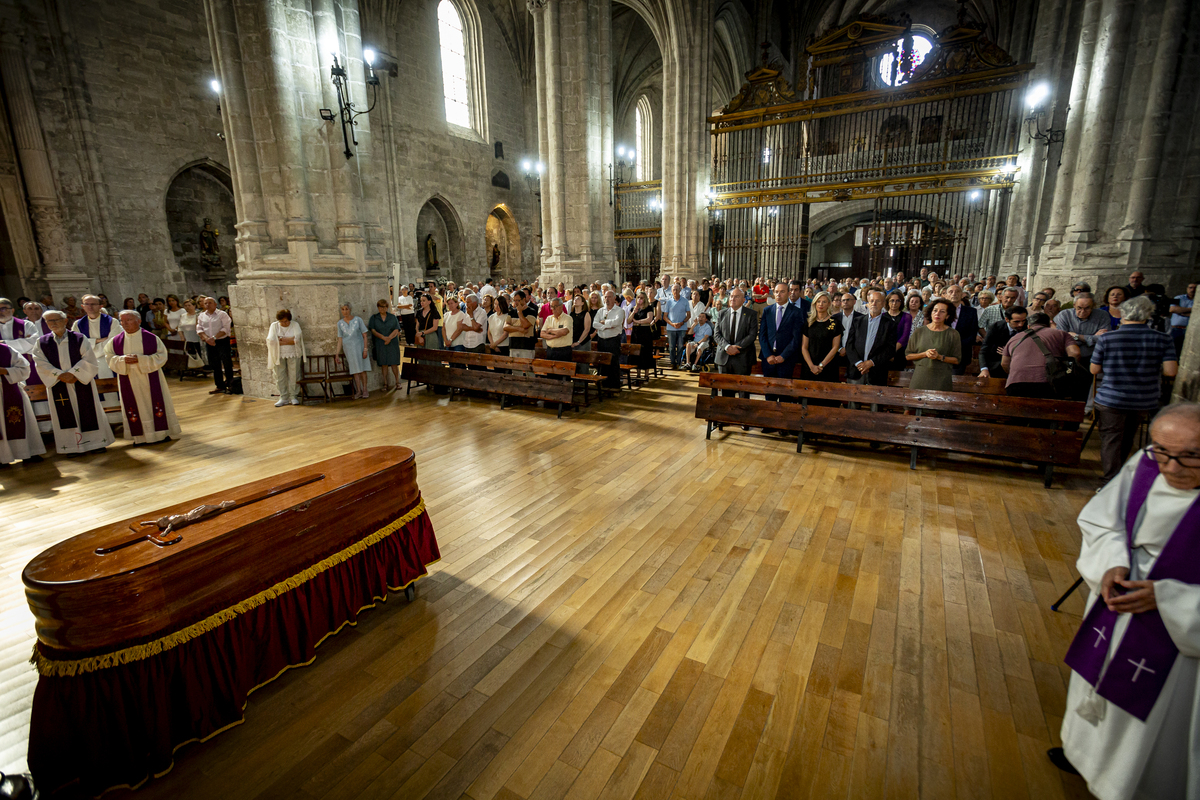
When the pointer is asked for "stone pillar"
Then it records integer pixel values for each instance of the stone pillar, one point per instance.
(574, 79)
(62, 276)
(1154, 124)
(1104, 92)
(303, 234)
(1187, 382)
(687, 58)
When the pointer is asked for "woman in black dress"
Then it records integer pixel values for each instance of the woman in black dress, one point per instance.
(643, 324)
(821, 341)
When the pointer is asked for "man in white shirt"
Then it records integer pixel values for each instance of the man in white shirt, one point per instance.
(1132, 706)
(488, 288)
(609, 322)
(558, 332)
(67, 366)
(215, 328)
(474, 327)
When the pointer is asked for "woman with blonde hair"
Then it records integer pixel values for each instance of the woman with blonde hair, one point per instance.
(821, 341)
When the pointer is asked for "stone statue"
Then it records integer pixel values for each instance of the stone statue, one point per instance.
(210, 255)
(431, 259)
(495, 256)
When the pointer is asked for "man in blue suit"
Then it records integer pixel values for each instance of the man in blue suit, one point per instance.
(780, 336)
(966, 322)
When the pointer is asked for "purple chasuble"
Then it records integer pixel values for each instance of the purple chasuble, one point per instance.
(60, 397)
(14, 404)
(106, 323)
(19, 331)
(1138, 670)
(128, 402)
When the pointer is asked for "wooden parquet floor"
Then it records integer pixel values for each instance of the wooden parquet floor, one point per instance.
(624, 610)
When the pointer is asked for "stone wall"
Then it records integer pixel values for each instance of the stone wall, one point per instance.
(123, 99)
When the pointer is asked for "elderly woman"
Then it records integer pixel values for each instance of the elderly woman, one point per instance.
(935, 348)
(355, 348)
(285, 355)
(1114, 296)
(385, 341)
(916, 309)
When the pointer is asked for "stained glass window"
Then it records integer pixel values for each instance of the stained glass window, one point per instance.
(454, 65)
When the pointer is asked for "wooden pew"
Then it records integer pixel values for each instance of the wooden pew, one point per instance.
(989, 425)
(585, 381)
(632, 351)
(107, 386)
(551, 381)
(962, 383)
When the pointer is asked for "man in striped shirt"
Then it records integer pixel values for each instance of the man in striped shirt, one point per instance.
(1129, 361)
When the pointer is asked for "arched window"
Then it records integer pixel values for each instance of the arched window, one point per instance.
(643, 123)
(921, 45)
(462, 66)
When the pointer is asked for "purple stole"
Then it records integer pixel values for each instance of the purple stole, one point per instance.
(106, 323)
(1140, 666)
(60, 396)
(19, 328)
(128, 401)
(14, 403)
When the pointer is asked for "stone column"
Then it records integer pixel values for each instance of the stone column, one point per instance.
(1154, 125)
(302, 228)
(62, 276)
(1187, 382)
(574, 79)
(687, 58)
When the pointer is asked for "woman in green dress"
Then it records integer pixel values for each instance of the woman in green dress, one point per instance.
(934, 348)
(385, 343)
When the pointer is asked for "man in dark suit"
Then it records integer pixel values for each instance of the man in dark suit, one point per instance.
(966, 322)
(734, 336)
(872, 343)
(796, 297)
(780, 336)
(845, 318)
(997, 336)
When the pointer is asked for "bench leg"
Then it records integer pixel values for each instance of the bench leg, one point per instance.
(560, 406)
(912, 461)
(708, 429)
(1049, 475)
(799, 440)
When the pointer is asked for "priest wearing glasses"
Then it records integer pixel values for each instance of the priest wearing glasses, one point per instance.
(137, 357)
(1132, 723)
(67, 365)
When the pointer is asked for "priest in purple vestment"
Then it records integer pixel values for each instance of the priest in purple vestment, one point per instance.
(137, 357)
(1131, 727)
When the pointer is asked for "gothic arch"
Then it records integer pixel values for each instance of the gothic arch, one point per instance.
(502, 232)
(201, 190)
(437, 217)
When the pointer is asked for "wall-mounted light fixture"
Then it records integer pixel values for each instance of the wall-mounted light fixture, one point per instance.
(623, 171)
(215, 85)
(346, 112)
(1035, 100)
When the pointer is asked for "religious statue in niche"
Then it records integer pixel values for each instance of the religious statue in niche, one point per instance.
(431, 259)
(210, 255)
(495, 256)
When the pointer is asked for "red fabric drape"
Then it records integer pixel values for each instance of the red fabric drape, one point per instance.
(118, 726)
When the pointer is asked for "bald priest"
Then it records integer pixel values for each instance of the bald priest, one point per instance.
(137, 358)
(1132, 723)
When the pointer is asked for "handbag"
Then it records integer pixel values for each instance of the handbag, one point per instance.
(1063, 372)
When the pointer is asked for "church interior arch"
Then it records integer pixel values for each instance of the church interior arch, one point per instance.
(438, 223)
(202, 190)
(503, 237)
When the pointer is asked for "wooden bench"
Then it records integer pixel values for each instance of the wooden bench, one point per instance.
(177, 359)
(988, 425)
(962, 383)
(314, 372)
(583, 380)
(550, 381)
(633, 371)
(37, 393)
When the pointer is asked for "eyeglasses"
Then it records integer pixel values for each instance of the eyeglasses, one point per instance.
(1188, 461)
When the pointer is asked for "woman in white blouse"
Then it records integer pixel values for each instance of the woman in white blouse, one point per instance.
(191, 338)
(285, 354)
(406, 308)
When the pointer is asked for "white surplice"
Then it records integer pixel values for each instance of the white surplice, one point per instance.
(31, 445)
(25, 344)
(74, 440)
(98, 342)
(147, 368)
(1121, 756)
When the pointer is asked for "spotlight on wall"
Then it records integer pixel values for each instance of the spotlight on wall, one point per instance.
(1036, 99)
(975, 195)
(346, 112)
(215, 85)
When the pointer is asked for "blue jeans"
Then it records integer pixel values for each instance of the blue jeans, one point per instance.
(676, 339)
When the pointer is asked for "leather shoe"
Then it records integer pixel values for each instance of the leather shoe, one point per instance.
(745, 427)
(217, 391)
(1059, 759)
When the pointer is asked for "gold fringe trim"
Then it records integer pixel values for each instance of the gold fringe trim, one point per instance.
(50, 667)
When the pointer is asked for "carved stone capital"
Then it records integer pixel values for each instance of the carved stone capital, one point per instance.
(51, 235)
(536, 6)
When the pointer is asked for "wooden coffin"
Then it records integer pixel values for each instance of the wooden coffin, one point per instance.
(87, 602)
